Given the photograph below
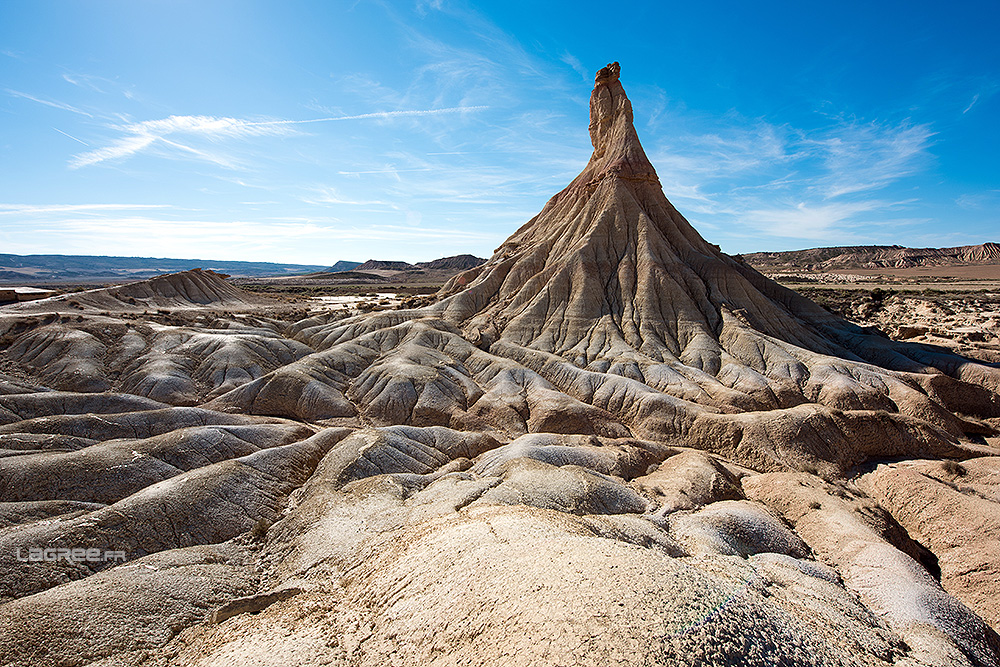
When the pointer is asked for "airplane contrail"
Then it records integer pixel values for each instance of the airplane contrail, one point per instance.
(70, 136)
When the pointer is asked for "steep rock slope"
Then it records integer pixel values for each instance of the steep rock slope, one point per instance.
(610, 302)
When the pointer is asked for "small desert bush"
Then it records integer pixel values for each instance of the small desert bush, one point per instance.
(259, 530)
(953, 468)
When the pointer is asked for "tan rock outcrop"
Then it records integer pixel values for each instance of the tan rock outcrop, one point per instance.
(954, 510)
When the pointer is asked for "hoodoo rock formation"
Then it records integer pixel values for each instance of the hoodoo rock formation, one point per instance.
(609, 444)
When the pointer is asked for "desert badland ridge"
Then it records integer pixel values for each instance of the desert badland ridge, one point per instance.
(609, 444)
(64, 268)
(47, 268)
(874, 257)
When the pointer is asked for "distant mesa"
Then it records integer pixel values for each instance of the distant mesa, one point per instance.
(83, 268)
(11, 294)
(343, 265)
(445, 264)
(383, 265)
(874, 257)
(456, 263)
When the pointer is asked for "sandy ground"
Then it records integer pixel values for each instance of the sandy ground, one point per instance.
(359, 303)
(959, 277)
(956, 307)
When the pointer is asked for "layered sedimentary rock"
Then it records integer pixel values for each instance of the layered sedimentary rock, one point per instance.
(875, 257)
(609, 444)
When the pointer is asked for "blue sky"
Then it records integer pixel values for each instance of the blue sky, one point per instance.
(314, 131)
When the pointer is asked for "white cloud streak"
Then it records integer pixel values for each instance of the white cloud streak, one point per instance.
(575, 63)
(866, 157)
(152, 133)
(119, 149)
(385, 115)
(381, 171)
(808, 221)
(326, 196)
(39, 209)
(140, 136)
(49, 103)
(67, 134)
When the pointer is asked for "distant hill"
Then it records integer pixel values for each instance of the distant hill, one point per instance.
(68, 268)
(384, 265)
(456, 263)
(343, 265)
(873, 257)
(348, 277)
(391, 272)
(452, 264)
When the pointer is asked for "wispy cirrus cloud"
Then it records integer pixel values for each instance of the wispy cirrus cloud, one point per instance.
(327, 196)
(386, 115)
(985, 90)
(575, 64)
(806, 220)
(144, 135)
(975, 98)
(843, 158)
(863, 157)
(423, 5)
(39, 209)
(979, 201)
(55, 104)
(748, 176)
(96, 83)
(140, 136)
(119, 149)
